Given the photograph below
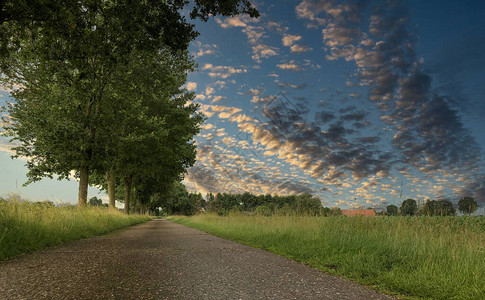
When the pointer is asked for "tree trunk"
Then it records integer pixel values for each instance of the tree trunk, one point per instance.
(128, 181)
(111, 189)
(138, 203)
(82, 199)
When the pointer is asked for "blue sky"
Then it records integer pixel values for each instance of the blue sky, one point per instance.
(347, 100)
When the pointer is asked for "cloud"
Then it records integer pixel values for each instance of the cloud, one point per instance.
(205, 109)
(300, 48)
(254, 34)
(334, 35)
(284, 85)
(191, 86)
(319, 152)
(429, 134)
(224, 112)
(263, 51)
(357, 116)
(200, 97)
(334, 146)
(7, 147)
(290, 39)
(323, 117)
(309, 10)
(209, 90)
(275, 26)
(218, 98)
(264, 99)
(207, 126)
(222, 167)
(222, 71)
(242, 118)
(236, 21)
(290, 66)
(204, 49)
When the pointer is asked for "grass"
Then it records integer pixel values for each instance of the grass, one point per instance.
(425, 257)
(26, 226)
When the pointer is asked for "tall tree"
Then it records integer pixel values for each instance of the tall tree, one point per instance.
(430, 208)
(151, 139)
(445, 208)
(392, 210)
(467, 205)
(409, 207)
(61, 55)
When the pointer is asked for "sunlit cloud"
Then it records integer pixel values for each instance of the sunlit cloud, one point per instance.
(263, 51)
(204, 49)
(300, 48)
(331, 141)
(290, 66)
(191, 86)
(289, 39)
(236, 21)
(222, 71)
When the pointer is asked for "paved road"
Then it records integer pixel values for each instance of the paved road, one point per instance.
(163, 260)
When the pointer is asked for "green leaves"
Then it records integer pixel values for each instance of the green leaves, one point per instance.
(467, 205)
(100, 84)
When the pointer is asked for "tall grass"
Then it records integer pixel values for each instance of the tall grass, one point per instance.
(431, 257)
(26, 226)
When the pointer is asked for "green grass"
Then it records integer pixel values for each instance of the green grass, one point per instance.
(428, 257)
(25, 226)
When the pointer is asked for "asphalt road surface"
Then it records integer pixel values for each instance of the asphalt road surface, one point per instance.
(163, 260)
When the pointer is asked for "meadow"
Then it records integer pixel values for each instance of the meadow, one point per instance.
(412, 257)
(26, 226)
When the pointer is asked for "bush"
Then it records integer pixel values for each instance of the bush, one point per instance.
(263, 211)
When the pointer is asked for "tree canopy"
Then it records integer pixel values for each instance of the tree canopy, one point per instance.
(409, 207)
(467, 205)
(392, 210)
(69, 62)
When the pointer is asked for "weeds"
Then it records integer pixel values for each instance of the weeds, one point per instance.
(28, 226)
(431, 257)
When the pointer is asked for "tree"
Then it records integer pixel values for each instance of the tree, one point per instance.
(430, 208)
(307, 204)
(177, 200)
(61, 57)
(151, 129)
(392, 210)
(467, 205)
(409, 207)
(445, 208)
(94, 201)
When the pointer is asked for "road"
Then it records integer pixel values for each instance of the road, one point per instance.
(163, 260)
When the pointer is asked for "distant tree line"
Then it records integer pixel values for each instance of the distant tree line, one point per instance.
(303, 204)
(409, 207)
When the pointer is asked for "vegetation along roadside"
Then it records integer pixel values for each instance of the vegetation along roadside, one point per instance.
(430, 257)
(26, 226)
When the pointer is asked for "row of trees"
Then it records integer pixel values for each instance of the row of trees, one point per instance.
(98, 90)
(177, 201)
(409, 207)
(303, 204)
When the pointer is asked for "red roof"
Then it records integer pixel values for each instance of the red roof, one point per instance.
(358, 212)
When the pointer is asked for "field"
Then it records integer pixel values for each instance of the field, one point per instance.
(27, 226)
(425, 257)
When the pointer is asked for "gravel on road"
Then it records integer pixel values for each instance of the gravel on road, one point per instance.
(163, 260)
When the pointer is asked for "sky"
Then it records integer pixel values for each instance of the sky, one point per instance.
(361, 103)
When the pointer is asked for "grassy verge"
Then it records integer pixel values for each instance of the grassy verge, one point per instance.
(429, 257)
(25, 226)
